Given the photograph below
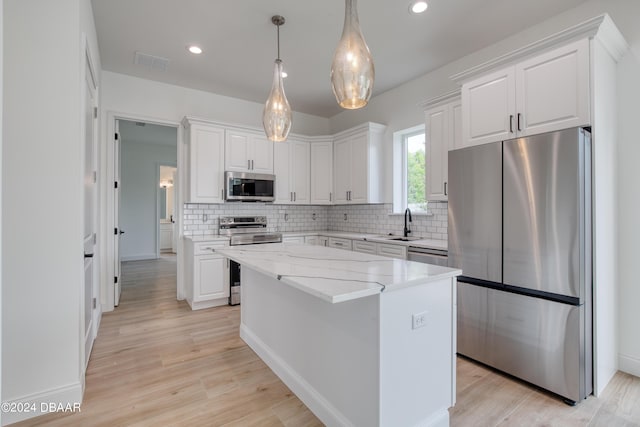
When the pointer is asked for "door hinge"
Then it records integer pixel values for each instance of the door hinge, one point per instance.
(115, 184)
(115, 279)
(95, 303)
(95, 112)
(115, 231)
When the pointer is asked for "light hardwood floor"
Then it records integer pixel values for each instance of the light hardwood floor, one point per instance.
(157, 363)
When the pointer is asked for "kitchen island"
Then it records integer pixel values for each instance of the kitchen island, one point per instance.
(362, 340)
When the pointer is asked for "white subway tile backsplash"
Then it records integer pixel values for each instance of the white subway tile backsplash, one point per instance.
(202, 219)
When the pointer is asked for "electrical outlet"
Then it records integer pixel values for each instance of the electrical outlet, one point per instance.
(419, 320)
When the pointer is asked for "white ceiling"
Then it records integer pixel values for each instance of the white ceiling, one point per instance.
(239, 40)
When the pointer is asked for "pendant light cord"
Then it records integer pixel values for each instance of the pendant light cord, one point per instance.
(278, 41)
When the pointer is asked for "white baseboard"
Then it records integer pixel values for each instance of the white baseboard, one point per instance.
(629, 364)
(317, 403)
(139, 257)
(65, 395)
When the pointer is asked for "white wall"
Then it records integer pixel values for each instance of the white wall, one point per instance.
(138, 208)
(629, 208)
(1, 102)
(42, 200)
(171, 103)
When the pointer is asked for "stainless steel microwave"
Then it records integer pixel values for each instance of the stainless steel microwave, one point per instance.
(249, 187)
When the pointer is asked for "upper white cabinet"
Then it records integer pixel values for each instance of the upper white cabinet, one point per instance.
(321, 173)
(358, 167)
(545, 93)
(248, 152)
(291, 167)
(206, 161)
(443, 132)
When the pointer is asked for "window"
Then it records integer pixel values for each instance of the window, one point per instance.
(409, 170)
(415, 148)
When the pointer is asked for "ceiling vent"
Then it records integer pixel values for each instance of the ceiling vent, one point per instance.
(150, 61)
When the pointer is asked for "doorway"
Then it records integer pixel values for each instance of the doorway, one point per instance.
(167, 209)
(141, 147)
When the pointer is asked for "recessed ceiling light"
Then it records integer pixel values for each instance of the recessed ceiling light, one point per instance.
(196, 50)
(418, 6)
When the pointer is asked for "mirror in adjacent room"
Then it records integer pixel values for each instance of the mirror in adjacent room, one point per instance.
(166, 193)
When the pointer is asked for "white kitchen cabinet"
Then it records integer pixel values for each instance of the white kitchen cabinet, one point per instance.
(392, 251)
(291, 167)
(358, 165)
(323, 241)
(321, 177)
(205, 175)
(339, 243)
(311, 240)
(248, 152)
(364, 247)
(207, 275)
(443, 130)
(294, 239)
(545, 93)
(166, 235)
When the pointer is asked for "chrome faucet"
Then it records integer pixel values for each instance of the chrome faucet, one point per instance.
(406, 229)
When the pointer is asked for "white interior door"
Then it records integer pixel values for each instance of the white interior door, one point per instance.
(89, 213)
(174, 229)
(116, 217)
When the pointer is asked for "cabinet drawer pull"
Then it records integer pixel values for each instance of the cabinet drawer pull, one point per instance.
(511, 123)
(294, 196)
(249, 164)
(519, 122)
(330, 197)
(445, 188)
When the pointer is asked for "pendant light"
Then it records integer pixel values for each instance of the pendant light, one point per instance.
(352, 71)
(276, 117)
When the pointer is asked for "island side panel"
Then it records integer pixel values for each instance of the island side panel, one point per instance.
(326, 353)
(416, 365)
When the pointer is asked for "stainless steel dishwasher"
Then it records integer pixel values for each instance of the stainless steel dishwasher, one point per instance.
(428, 256)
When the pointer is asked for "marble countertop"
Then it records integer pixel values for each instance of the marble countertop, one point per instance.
(334, 275)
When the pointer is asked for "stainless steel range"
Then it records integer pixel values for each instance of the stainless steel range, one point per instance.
(244, 230)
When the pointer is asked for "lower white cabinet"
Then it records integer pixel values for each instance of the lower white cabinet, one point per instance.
(392, 251)
(365, 247)
(339, 243)
(294, 239)
(383, 249)
(207, 275)
(311, 240)
(166, 235)
(323, 241)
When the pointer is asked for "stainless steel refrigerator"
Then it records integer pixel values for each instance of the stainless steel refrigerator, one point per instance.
(520, 230)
